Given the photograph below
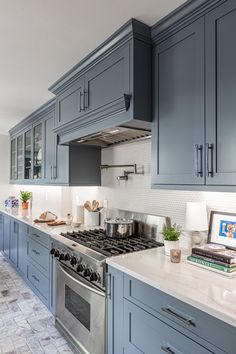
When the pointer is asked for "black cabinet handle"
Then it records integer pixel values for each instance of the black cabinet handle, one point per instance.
(86, 102)
(186, 321)
(35, 278)
(36, 252)
(36, 235)
(209, 160)
(167, 350)
(81, 102)
(198, 160)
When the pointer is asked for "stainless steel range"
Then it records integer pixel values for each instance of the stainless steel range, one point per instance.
(81, 273)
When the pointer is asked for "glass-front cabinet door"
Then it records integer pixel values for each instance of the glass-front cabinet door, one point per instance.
(38, 151)
(28, 155)
(13, 160)
(20, 157)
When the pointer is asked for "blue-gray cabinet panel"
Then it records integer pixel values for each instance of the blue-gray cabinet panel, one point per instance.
(144, 333)
(221, 94)
(1, 231)
(14, 235)
(6, 234)
(108, 81)
(114, 305)
(22, 248)
(178, 98)
(39, 254)
(70, 104)
(50, 149)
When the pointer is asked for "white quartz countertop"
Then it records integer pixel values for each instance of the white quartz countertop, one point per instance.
(212, 293)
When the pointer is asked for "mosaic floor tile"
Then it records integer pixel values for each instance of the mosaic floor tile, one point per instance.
(26, 325)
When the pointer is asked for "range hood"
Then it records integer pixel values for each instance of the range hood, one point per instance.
(113, 136)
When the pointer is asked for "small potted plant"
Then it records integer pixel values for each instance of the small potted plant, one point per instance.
(171, 236)
(25, 196)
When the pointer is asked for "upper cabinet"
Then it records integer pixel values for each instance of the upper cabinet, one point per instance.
(36, 157)
(110, 87)
(221, 95)
(194, 104)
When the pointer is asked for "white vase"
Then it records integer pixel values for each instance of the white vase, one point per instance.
(169, 245)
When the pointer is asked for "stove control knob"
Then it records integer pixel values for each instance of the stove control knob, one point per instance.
(62, 257)
(67, 257)
(56, 253)
(52, 251)
(73, 261)
(80, 268)
(94, 276)
(87, 272)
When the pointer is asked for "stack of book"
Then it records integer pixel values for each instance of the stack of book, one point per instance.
(223, 261)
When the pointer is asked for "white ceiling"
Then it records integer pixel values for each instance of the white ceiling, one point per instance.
(41, 39)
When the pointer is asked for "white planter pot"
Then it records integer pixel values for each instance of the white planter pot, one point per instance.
(169, 245)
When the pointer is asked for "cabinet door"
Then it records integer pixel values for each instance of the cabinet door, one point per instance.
(50, 149)
(38, 151)
(147, 334)
(61, 170)
(28, 154)
(221, 95)
(14, 233)
(20, 159)
(107, 82)
(6, 234)
(178, 128)
(1, 231)
(70, 104)
(13, 173)
(114, 311)
(22, 248)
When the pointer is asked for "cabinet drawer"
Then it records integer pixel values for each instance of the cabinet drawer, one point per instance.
(39, 281)
(39, 254)
(39, 236)
(146, 334)
(198, 322)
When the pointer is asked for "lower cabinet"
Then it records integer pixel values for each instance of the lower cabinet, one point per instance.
(142, 319)
(27, 248)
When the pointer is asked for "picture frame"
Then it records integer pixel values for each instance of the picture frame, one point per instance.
(222, 229)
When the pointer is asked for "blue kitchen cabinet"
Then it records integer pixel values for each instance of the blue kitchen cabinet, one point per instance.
(23, 248)
(1, 231)
(178, 98)
(143, 319)
(110, 87)
(13, 241)
(6, 234)
(221, 95)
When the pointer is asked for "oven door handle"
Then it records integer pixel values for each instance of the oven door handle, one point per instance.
(101, 293)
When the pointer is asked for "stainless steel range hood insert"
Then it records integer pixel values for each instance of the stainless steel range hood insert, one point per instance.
(113, 136)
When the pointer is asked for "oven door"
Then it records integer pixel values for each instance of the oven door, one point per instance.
(80, 311)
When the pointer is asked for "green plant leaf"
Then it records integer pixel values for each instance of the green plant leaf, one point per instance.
(172, 233)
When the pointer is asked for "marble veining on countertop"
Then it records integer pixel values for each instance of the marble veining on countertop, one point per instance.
(210, 292)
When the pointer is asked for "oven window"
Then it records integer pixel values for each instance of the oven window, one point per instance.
(79, 308)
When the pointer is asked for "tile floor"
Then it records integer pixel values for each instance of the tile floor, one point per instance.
(26, 325)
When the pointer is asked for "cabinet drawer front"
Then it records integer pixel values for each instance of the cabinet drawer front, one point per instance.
(39, 236)
(145, 333)
(39, 254)
(156, 302)
(39, 281)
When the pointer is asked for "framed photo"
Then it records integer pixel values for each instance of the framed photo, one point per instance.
(222, 229)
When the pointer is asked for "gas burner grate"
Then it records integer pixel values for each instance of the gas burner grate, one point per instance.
(97, 240)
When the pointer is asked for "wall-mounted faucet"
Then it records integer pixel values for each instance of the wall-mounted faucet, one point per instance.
(126, 174)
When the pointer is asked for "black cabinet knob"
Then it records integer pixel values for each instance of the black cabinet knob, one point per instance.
(56, 253)
(94, 277)
(80, 268)
(62, 257)
(73, 261)
(67, 257)
(87, 272)
(52, 251)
